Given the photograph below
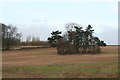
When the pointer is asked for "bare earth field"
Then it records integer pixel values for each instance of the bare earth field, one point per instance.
(46, 63)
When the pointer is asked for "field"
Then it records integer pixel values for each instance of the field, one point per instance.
(46, 63)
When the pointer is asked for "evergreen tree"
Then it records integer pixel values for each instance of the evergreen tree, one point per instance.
(54, 38)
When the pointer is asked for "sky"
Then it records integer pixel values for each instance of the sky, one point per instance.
(40, 17)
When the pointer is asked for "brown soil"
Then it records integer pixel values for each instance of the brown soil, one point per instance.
(49, 56)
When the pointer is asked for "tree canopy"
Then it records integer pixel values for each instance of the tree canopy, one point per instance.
(54, 38)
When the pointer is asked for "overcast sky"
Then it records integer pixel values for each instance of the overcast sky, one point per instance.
(40, 17)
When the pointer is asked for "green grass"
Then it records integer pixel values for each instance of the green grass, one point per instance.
(112, 70)
(43, 68)
(102, 70)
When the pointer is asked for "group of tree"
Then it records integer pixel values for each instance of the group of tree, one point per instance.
(10, 36)
(76, 40)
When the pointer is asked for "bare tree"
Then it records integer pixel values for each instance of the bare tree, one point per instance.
(28, 39)
(10, 36)
(33, 38)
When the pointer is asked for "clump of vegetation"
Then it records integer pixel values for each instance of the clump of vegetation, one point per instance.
(76, 40)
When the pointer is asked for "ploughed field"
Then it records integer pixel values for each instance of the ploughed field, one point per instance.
(46, 63)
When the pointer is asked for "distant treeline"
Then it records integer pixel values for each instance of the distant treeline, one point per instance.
(35, 43)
